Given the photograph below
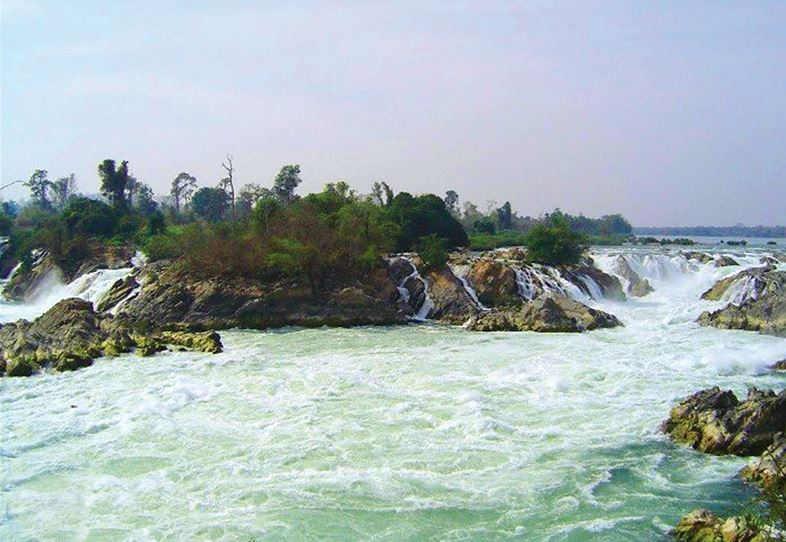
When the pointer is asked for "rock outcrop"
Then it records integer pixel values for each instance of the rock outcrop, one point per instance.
(701, 257)
(494, 283)
(771, 467)
(763, 310)
(609, 285)
(703, 526)
(637, 286)
(72, 334)
(553, 313)
(725, 261)
(452, 302)
(716, 422)
(171, 298)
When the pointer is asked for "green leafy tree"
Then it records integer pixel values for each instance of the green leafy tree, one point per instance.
(264, 211)
(156, 223)
(63, 189)
(452, 202)
(114, 182)
(248, 197)
(183, 186)
(483, 226)
(365, 233)
(421, 216)
(555, 244)
(432, 251)
(286, 182)
(210, 204)
(143, 200)
(39, 186)
(505, 216)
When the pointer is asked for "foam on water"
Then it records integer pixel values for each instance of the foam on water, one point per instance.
(411, 432)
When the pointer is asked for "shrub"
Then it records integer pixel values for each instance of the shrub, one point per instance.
(554, 245)
(431, 249)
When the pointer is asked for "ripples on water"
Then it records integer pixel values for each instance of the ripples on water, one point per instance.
(418, 432)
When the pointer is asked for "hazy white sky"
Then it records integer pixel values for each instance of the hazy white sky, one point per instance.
(671, 112)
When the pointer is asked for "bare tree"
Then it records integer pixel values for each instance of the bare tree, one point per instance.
(227, 183)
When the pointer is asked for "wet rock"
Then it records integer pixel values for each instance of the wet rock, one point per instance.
(553, 313)
(779, 365)
(703, 526)
(770, 468)
(609, 285)
(701, 257)
(716, 422)
(71, 335)
(637, 287)
(766, 312)
(518, 254)
(725, 261)
(119, 291)
(452, 302)
(494, 283)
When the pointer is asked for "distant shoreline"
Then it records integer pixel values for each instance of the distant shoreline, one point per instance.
(778, 232)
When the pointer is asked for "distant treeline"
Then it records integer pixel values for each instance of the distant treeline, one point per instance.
(716, 231)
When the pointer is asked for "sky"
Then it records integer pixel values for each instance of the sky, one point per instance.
(670, 112)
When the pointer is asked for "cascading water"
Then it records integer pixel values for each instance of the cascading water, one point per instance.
(461, 272)
(741, 290)
(400, 432)
(428, 304)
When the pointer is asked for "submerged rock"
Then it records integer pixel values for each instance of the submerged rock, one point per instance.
(762, 308)
(703, 526)
(71, 335)
(725, 261)
(554, 313)
(716, 422)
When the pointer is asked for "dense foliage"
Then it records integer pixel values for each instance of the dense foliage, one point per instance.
(554, 244)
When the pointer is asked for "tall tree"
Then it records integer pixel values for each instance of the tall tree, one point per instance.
(63, 189)
(228, 183)
(505, 216)
(183, 187)
(143, 200)
(39, 185)
(249, 195)
(285, 183)
(452, 202)
(114, 181)
(210, 203)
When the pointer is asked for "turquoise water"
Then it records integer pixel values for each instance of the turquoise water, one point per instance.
(419, 432)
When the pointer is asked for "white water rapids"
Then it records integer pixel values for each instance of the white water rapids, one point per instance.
(418, 432)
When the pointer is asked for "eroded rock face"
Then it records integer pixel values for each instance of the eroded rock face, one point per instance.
(71, 335)
(766, 312)
(610, 286)
(716, 422)
(452, 303)
(495, 283)
(553, 313)
(703, 526)
(171, 298)
(701, 257)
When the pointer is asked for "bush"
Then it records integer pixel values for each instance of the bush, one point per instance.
(431, 249)
(555, 245)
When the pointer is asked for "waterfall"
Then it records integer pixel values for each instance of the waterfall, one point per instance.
(428, 304)
(741, 290)
(461, 272)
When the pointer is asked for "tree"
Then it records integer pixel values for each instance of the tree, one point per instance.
(431, 250)
(423, 215)
(505, 216)
(248, 197)
(376, 194)
(63, 189)
(39, 185)
(143, 200)
(264, 210)
(484, 226)
(555, 244)
(183, 187)
(285, 183)
(210, 204)
(227, 183)
(388, 194)
(365, 232)
(471, 213)
(156, 224)
(452, 202)
(114, 182)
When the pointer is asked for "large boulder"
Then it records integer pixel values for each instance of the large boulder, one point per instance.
(763, 308)
(452, 304)
(552, 313)
(72, 334)
(703, 526)
(495, 283)
(725, 261)
(716, 422)
(753, 277)
(701, 257)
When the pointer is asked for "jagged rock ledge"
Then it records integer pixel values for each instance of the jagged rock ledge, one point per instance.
(71, 335)
(760, 306)
(716, 422)
(703, 526)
